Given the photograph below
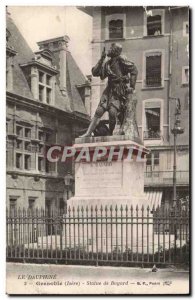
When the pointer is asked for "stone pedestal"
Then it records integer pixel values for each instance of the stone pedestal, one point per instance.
(115, 182)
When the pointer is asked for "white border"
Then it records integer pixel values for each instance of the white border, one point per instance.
(3, 3)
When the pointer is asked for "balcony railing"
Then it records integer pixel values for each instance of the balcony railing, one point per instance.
(152, 135)
(166, 178)
(153, 81)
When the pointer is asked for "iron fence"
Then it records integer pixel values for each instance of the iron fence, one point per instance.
(99, 235)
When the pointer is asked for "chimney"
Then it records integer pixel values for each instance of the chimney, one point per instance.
(58, 46)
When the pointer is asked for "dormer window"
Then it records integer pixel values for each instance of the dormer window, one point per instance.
(48, 80)
(48, 95)
(45, 87)
(42, 74)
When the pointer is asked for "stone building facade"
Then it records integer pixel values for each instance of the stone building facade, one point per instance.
(156, 39)
(45, 97)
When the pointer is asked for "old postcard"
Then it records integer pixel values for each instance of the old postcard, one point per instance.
(97, 135)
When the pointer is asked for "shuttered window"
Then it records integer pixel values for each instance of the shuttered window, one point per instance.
(153, 70)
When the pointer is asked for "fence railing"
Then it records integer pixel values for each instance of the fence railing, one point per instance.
(153, 81)
(99, 235)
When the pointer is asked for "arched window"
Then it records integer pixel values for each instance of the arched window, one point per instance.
(115, 26)
(154, 22)
(154, 26)
(116, 29)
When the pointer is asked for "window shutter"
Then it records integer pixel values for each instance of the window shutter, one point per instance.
(153, 70)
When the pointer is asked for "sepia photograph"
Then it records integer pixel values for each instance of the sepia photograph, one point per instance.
(98, 150)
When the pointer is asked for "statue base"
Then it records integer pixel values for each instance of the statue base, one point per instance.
(115, 182)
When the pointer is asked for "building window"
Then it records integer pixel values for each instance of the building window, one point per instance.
(41, 148)
(31, 203)
(152, 116)
(41, 93)
(19, 131)
(23, 145)
(47, 137)
(48, 79)
(154, 22)
(27, 133)
(41, 77)
(13, 204)
(115, 26)
(152, 119)
(153, 70)
(19, 144)
(27, 160)
(18, 160)
(148, 163)
(48, 95)
(47, 166)
(45, 88)
(41, 135)
(50, 167)
(154, 26)
(185, 75)
(152, 164)
(185, 28)
(27, 146)
(40, 164)
(116, 29)
(62, 205)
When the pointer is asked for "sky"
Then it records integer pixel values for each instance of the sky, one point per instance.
(37, 23)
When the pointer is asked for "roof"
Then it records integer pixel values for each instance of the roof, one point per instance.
(24, 54)
(86, 9)
(74, 77)
(69, 103)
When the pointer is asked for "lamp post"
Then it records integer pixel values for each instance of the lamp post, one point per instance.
(68, 179)
(177, 129)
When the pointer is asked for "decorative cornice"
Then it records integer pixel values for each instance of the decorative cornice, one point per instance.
(10, 50)
(34, 104)
(59, 43)
(33, 63)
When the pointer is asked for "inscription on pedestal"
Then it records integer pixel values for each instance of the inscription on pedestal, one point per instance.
(102, 174)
